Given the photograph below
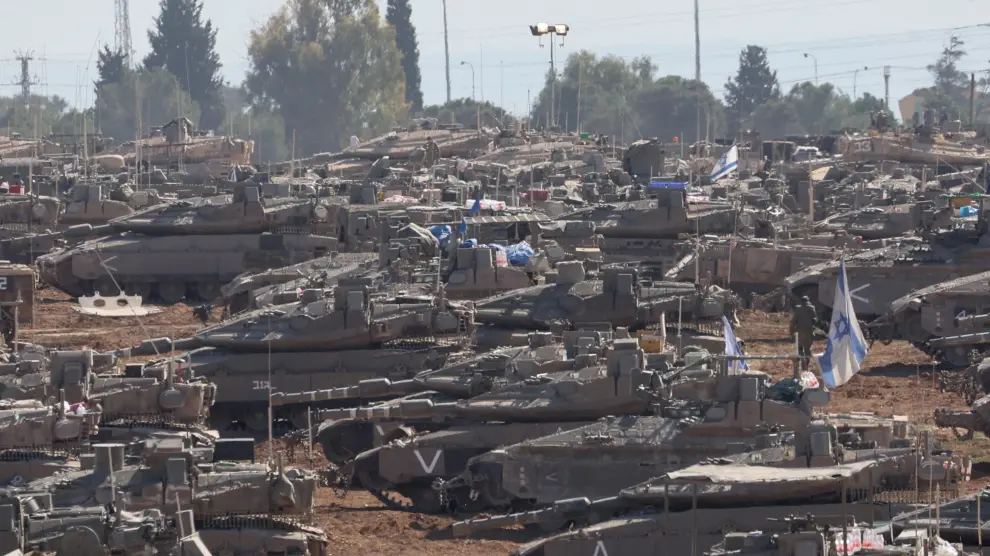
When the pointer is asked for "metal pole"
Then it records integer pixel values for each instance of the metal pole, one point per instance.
(553, 82)
(446, 48)
(501, 94)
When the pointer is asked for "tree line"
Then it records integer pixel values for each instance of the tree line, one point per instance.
(323, 70)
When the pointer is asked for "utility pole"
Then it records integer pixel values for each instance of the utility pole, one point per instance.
(26, 80)
(446, 47)
(886, 88)
(972, 99)
(697, 75)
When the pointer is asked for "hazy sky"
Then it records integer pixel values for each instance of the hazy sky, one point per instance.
(493, 36)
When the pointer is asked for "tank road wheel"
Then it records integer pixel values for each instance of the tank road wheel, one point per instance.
(255, 421)
(207, 291)
(956, 356)
(424, 498)
(171, 291)
(298, 418)
(138, 288)
(912, 330)
(106, 287)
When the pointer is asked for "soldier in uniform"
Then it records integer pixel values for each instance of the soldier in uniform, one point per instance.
(803, 324)
(432, 153)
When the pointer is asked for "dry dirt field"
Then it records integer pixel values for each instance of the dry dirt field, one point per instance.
(897, 380)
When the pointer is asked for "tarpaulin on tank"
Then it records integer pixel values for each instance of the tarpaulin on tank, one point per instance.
(470, 243)
(519, 253)
(441, 233)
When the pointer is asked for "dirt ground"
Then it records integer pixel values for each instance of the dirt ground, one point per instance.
(897, 380)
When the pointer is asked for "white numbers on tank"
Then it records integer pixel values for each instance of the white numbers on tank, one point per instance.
(261, 385)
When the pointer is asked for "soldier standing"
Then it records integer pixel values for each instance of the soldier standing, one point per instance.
(803, 324)
(432, 153)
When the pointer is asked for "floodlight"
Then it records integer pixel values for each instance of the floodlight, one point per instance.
(539, 29)
(561, 29)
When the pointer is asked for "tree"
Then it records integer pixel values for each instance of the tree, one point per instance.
(669, 107)
(160, 99)
(399, 16)
(754, 85)
(776, 118)
(607, 86)
(947, 76)
(185, 45)
(465, 111)
(110, 65)
(330, 69)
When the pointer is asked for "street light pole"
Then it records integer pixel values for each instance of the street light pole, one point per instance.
(557, 30)
(855, 75)
(472, 77)
(812, 56)
(501, 92)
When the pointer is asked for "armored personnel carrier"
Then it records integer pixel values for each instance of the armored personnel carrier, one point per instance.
(948, 320)
(190, 247)
(315, 344)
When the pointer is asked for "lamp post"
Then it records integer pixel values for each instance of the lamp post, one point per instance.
(472, 77)
(812, 56)
(560, 30)
(855, 75)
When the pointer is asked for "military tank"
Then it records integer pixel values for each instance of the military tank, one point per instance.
(879, 277)
(89, 530)
(618, 298)
(881, 222)
(190, 247)
(344, 438)
(713, 416)
(948, 320)
(278, 286)
(315, 344)
(691, 509)
(170, 481)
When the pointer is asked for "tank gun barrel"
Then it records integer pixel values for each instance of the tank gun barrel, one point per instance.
(158, 346)
(365, 389)
(407, 409)
(969, 420)
(561, 510)
(973, 320)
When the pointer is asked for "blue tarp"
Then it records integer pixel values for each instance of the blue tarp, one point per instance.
(470, 243)
(668, 184)
(519, 253)
(441, 233)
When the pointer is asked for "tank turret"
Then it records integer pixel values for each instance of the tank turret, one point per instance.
(618, 298)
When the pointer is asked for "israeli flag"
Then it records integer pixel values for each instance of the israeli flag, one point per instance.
(728, 163)
(732, 348)
(233, 173)
(462, 230)
(476, 207)
(846, 347)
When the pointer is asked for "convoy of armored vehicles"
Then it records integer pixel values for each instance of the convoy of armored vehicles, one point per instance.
(466, 324)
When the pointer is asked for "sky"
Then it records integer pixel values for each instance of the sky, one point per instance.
(842, 35)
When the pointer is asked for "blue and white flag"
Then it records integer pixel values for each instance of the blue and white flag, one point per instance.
(233, 173)
(476, 207)
(846, 347)
(732, 348)
(727, 164)
(462, 230)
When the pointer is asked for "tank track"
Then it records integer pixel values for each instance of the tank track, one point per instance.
(385, 492)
